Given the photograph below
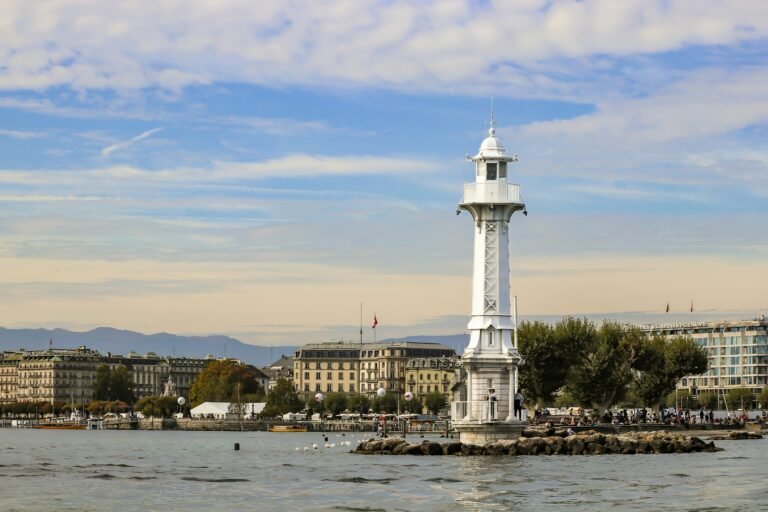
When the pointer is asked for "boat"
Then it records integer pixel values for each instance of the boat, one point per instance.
(53, 425)
(287, 428)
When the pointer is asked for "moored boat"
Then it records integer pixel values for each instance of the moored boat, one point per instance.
(287, 428)
(60, 426)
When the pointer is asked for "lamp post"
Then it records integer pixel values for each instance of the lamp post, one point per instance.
(181, 401)
(408, 397)
(319, 399)
(380, 393)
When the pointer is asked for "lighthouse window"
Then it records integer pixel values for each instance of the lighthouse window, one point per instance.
(502, 169)
(490, 171)
(490, 338)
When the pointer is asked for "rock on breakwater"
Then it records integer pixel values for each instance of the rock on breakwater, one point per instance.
(547, 443)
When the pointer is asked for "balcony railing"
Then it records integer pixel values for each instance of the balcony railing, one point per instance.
(483, 411)
(478, 412)
(492, 193)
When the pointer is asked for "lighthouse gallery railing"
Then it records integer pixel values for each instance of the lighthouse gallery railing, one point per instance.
(491, 192)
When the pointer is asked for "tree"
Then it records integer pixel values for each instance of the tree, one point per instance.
(707, 400)
(412, 406)
(121, 385)
(604, 370)
(385, 404)
(219, 381)
(157, 406)
(662, 363)
(549, 353)
(114, 384)
(740, 398)
(359, 403)
(282, 399)
(763, 398)
(101, 386)
(434, 402)
(335, 403)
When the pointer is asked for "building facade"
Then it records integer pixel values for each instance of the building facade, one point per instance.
(55, 375)
(154, 375)
(359, 367)
(68, 375)
(425, 375)
(737, 350)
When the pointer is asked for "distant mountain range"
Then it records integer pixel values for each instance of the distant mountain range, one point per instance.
(116, 341)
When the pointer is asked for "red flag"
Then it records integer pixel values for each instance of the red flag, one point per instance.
(375, 322)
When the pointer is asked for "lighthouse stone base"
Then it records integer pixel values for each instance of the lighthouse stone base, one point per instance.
(482, 434)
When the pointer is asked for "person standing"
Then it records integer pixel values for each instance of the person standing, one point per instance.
(519, 399)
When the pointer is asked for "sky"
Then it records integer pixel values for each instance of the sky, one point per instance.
(268, 170)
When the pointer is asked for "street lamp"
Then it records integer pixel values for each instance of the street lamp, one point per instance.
(380, 393)
(181, 401)
(319, 399)
(408, 397)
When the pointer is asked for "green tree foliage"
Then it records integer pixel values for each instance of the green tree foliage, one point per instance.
(336, 403)
(101, 386)
(121, 385)
(158, 406)
(221, 381)
(359, 403)
(434, 402)
(682, 399)
(604, 370)
(413, 406)
(708, 400)
(114, 384)
(550, 353)
(740, 398)
(661, 363)
(762, 398)
(282, 399)
(385, 404)
(564, 399)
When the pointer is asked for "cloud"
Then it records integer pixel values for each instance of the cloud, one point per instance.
(277, 126)
(21, 134)
(301, 165)
(503, 46)
(130, 142)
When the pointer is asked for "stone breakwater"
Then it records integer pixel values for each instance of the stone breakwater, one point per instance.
(531, 443)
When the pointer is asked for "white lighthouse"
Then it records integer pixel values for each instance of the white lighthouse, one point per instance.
(491, 358)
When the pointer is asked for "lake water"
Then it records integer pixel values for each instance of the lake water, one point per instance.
(200, 471)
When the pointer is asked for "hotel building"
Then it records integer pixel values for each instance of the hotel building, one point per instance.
(359, 367)
(65, 375)
(738, 353)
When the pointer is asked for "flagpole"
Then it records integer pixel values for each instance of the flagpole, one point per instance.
(361, 323)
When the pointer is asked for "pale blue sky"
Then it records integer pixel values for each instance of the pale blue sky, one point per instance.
(259, 170)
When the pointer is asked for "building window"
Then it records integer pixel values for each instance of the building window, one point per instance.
(351, 388)
(329, 387)
(490, 171)
(317, 375)
(306, 375)
(341, 388)
(317, 387)
(341, 375)
(351, 376)
(330, 376)
(306, 386)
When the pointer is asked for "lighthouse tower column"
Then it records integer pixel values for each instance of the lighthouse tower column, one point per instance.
(491, 358)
